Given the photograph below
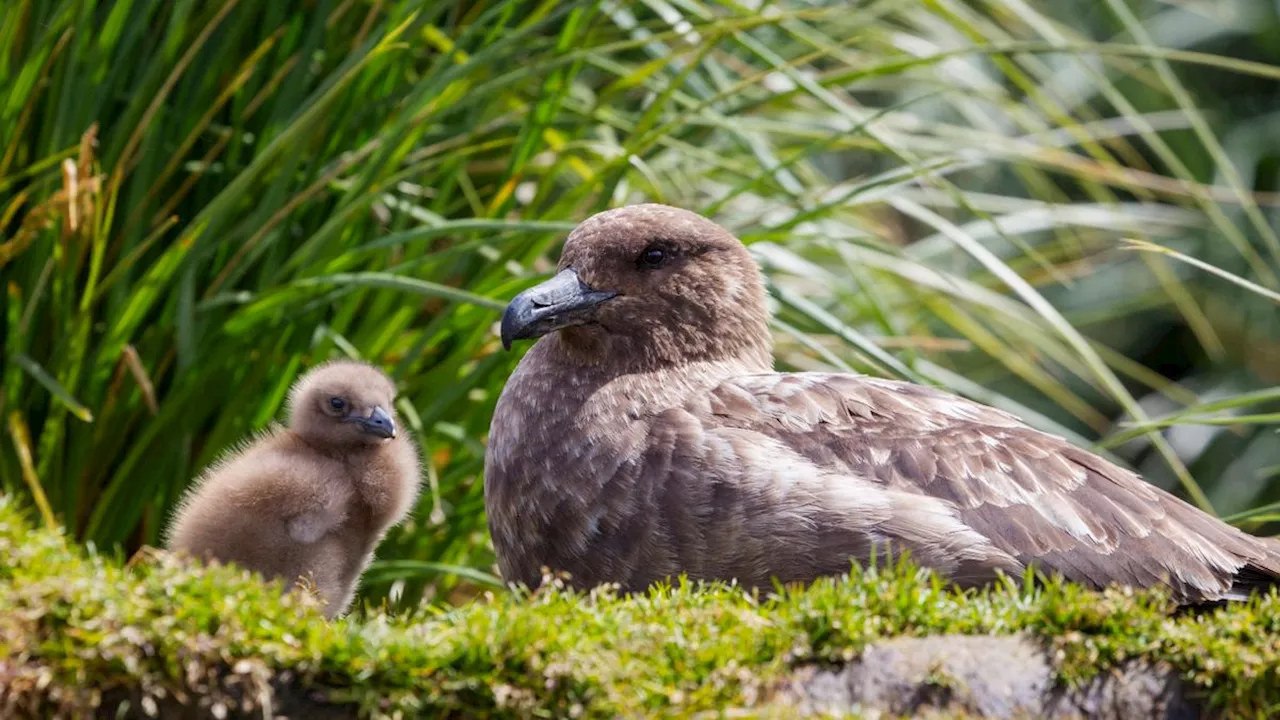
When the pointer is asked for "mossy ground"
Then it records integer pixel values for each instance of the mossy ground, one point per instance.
(75, 627)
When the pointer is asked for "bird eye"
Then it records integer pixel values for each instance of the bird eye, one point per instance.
(652, 257)
(337, 403)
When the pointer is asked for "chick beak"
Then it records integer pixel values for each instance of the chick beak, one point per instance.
(560, 302)
(378, 424)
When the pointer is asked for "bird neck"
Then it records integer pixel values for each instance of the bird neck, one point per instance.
(340, 449)
(590, 348)
(562, 390)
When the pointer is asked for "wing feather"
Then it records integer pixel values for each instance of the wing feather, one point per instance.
(1033, 496)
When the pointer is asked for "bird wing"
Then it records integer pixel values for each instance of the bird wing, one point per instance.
(268, 479)
(953, 469)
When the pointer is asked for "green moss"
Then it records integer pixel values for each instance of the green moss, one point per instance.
(75, 626)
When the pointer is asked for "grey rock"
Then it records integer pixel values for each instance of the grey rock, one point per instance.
(983, 677)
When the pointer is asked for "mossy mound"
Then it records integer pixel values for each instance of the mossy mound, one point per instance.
(82, 635)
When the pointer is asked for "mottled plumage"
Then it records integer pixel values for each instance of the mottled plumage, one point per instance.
(310, 502)
(645, 435)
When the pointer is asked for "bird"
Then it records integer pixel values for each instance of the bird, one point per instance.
(646, 435)
(308, 503)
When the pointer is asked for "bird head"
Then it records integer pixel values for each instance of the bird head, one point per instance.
(651, 285)
(343, 404)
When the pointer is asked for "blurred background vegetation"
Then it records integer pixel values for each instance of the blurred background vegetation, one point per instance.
(1065, 208)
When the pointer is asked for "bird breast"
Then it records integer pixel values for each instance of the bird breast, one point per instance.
(609, 478)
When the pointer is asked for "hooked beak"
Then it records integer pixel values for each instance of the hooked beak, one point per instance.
(378, 424)
(560, 302)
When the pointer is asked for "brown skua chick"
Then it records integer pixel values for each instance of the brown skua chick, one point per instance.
(311, 501)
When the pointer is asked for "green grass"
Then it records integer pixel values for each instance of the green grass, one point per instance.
(78, 627)
(1064, 209)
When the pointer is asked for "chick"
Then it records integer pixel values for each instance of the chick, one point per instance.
(309, 502)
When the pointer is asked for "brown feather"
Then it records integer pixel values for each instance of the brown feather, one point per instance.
(310, 502)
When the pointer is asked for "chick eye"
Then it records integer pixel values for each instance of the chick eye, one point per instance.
(652, 257)
(337, 403)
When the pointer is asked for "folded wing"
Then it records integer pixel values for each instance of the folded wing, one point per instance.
(970, 489)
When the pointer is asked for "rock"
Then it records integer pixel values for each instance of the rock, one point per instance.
(983, 677)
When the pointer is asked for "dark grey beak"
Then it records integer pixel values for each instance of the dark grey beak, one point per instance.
(560, 302)
(378, 424)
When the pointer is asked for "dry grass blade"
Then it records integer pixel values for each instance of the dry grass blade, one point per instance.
(1144, 246)
(20, 436)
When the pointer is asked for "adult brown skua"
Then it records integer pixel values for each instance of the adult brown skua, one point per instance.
(308, 503)
(646, 434)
